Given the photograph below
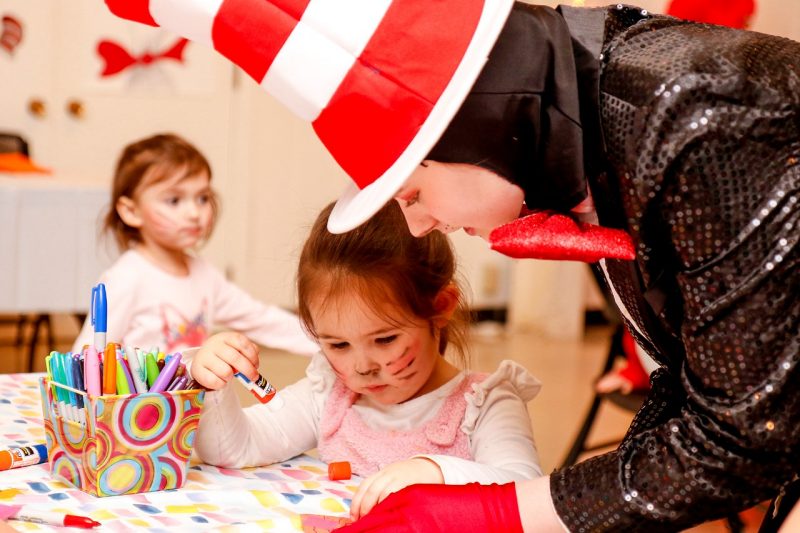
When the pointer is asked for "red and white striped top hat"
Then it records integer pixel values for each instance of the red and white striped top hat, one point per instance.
(378, 79)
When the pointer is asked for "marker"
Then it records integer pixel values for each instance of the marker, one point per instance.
(99, 315)
(162, 382)
(91, 371)
(151, 369)
(110, 369)
(136, 369)
(261, 389)
(178, 384)
(122, 381)
(23, 456)
(50, 518)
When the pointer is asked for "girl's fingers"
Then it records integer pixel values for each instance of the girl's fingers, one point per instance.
(207, 378)
(363, 489)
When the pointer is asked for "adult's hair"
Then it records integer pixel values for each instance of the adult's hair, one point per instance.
(145, 163)
(384, 264)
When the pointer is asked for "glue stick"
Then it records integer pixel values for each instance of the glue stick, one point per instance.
(261, 388)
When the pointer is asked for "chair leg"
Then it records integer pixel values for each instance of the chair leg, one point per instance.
(42, 320)
(579, 444)
(735, 523)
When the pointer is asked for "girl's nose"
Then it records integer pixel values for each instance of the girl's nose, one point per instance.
(364, 365)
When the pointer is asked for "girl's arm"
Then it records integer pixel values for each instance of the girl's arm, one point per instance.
(501, 441)
(267, 325)
(263, 433)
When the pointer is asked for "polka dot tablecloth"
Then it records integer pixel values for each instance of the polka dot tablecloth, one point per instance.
(269, 498)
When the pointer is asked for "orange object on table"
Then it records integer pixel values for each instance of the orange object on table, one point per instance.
(17, 162)
(339, 470)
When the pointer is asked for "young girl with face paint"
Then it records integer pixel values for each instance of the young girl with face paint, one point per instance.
(160, 293)
(385, 308)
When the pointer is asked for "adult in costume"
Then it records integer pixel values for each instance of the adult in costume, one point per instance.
(687, 137)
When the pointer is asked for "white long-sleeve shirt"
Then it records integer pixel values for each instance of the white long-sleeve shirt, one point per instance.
(496, 422)
(148, 307)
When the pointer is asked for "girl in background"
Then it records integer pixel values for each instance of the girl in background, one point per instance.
(160, 293)
(384, 307)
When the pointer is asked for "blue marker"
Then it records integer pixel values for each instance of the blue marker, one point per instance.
(99, 316)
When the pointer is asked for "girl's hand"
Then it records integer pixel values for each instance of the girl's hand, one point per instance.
(221, 356)
(392, 478)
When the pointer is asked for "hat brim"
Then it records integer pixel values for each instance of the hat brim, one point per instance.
(355, 206)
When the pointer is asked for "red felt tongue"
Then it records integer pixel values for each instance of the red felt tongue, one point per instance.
(552, 236)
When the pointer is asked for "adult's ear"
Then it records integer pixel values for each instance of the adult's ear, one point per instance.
(445, 304)
(128, 212)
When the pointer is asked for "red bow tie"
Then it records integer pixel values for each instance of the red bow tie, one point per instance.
(552, 236)
(118, 59)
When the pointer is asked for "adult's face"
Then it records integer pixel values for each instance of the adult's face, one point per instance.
(449, 196)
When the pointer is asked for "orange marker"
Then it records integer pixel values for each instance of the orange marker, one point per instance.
(110, 369)
(339, 470)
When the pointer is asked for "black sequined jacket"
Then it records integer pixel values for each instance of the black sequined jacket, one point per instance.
(701, 133)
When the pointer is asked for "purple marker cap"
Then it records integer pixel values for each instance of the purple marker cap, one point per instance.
(165, 376)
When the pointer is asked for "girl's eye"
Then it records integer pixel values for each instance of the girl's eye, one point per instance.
(338, 345)
(204, 199)
(173, 200)
(386, 340)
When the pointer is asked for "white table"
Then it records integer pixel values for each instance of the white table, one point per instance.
(51, 253)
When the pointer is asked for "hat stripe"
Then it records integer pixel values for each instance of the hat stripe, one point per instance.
(195, 19)
(252, 33)
(320, 52)
(138, 10)
(367, 134)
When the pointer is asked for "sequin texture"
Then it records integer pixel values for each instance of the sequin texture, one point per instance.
(702, 130)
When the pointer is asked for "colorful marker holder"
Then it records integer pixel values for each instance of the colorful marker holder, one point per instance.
(130, 444)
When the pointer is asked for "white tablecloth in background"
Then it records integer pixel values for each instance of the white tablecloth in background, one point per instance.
(51, 252)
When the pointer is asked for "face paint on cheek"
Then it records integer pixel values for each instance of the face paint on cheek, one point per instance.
(162, 220)
(401, 363)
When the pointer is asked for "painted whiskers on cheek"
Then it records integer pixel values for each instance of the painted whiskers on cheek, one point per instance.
(401, 364)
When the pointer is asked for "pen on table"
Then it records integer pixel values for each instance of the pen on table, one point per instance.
(50, 518)
(91, 371)
(99, 315)
(110, 369)
(151, 369)
(162, 382)
(23, 456)
(136, 369)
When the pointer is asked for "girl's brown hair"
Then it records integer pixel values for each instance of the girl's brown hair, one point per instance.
(382, 262)
(144, 163)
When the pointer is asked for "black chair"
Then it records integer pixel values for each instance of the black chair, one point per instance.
(629, 402)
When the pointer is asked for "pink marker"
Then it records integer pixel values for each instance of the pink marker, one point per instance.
(91, 371)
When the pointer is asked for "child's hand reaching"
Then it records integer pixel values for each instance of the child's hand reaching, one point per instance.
(221, 356)
(392, 478)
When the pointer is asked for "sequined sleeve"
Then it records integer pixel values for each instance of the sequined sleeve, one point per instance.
(703, 132)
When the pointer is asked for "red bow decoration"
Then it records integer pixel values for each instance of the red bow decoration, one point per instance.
(118, 59)
(552, 236)
(11, 34)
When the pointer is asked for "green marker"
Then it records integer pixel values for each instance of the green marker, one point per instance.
(152, 369)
